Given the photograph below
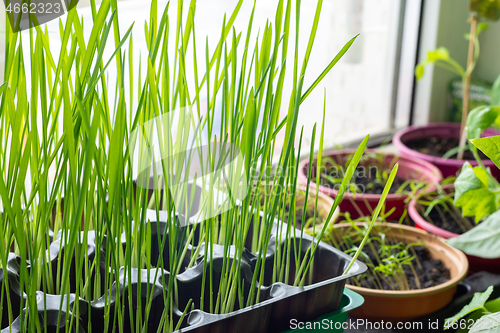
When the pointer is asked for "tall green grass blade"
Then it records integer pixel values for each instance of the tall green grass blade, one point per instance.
(375, 215)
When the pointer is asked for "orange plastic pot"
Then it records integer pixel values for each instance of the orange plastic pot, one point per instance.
(406, 305)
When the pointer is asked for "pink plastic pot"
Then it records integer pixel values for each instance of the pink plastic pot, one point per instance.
(448, 167)
(476, 264)
(365, 204)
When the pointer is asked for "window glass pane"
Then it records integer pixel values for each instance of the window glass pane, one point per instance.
(359, 87)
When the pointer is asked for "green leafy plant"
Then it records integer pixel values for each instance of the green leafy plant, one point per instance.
(480, 315)
(478, 193)
(478, 9)
(476, 188)
(73, 139)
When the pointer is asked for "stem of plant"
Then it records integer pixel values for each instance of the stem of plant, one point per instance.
(466, 87)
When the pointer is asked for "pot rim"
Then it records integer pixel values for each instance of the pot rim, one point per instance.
(462, 271)
(403, 148)
(433, 172)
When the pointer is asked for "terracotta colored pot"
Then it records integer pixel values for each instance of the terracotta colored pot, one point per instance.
(476, 264)
(407, 305)
(448, 167)
(364, 204)
(325, 204)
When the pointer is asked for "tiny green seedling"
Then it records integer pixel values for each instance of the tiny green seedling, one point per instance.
(441, 202)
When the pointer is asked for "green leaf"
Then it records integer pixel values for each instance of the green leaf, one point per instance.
(438, 54)
(99, 22)
(419, 71)
(475, 190)
(480, 119)
(476, 303)
(490, 146)
(489, 323)
(343, 187)
(95, 79)
(375, 214)
(483, 240)
(312, 36)
(497, 120)
(481, 26)
(328, 68)
(495, 92)
(478, 203)
(3, 87)
(466, 181)
(482, 175)
(68, 126)
(249, 126)
(493, 305)
(115, 160)
(440, 57)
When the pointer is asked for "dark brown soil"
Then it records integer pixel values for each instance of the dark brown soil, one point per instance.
(435, 146)
(432, 272)
(448, 223)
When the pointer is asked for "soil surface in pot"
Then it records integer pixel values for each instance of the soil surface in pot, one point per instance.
(431, 272)
(446, 221)
(436, 146)
(367, 181)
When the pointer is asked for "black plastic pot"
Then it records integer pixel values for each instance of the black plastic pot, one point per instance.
(279, 303)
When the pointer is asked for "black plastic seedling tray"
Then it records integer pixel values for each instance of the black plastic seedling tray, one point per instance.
(279, 302)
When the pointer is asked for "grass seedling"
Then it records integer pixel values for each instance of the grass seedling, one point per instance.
(75, 134)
